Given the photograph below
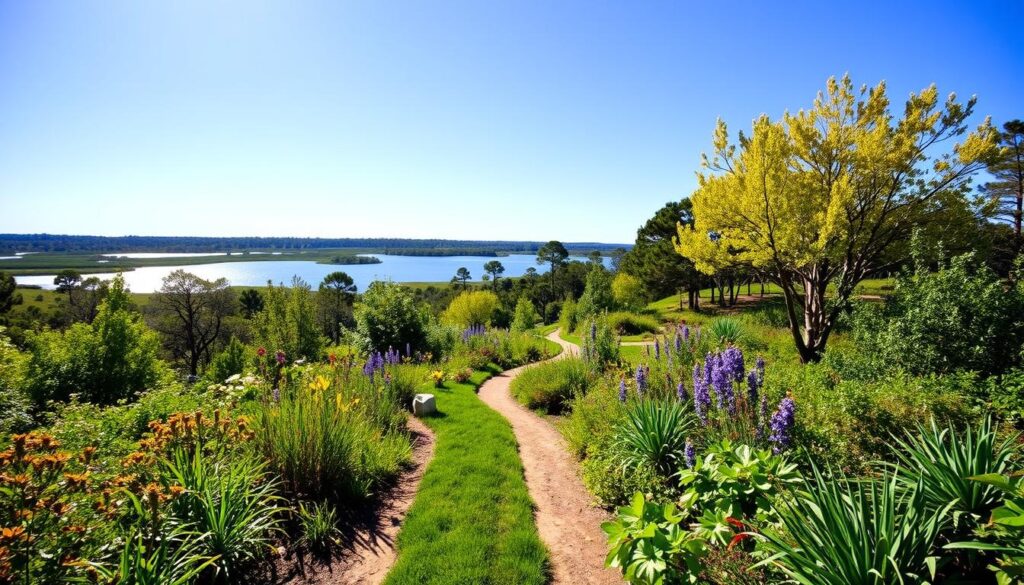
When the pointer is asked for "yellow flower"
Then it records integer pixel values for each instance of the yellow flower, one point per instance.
(319, 384)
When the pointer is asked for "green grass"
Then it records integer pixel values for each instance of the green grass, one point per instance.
(472, 521)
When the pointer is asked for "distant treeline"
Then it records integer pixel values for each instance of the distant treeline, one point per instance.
(354, 260)
(10, 243)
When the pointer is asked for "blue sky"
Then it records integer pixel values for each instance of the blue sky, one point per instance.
(476, 119)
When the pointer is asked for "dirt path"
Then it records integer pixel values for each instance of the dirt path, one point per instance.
(569, 524)
(369, 550)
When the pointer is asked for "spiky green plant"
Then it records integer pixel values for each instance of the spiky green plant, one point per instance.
(855, 532)
(726, 330)
(319, 525)
(654, 434)
(945, 459)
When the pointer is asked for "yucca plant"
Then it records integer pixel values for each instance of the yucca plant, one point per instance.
(654, 434)
(726, 330)
(851, 532)
(232, 501)
(945, 459)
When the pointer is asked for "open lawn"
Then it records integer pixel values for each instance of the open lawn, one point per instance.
(472, 521)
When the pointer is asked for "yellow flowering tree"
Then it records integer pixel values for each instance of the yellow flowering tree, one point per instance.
(820, 198)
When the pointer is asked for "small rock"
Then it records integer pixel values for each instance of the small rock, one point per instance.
(424, 404)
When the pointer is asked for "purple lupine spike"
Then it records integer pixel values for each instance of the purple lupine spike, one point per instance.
(593, 331)
(721, 379)
(679, 339)
(701, 398)
(759, 364)
(686, 334)
(368, 367)
(641, 381)
(622, 390)
(689, 455)
(657, 349)
(277, 395)
(378, 361)
(782, 425)
(681, 392)
(752, 388)
(732, 361)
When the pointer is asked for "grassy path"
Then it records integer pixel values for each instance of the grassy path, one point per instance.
(568, 523)
(472, 520)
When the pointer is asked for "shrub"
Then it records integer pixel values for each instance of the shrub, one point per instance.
(959, 318)
(625, 323)
(525, 316)
(628, 291)
(1006, 528)
(113, 358)
(388, 317)
(600, 347)
(735, 482)
(288, 322)
(568, 319)
(831, 533)
(597, 296)
(551, 385)
(471, 308)
(650, 546)
(654, 434)
(233, 360)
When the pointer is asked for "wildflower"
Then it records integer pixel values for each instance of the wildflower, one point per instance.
(752, 387)
(262, 351)
(622, 390)
(782, 425)
(701, 398)
(759, 364)
(721, 376)
(641, 380)
(319, 384)
(276, 392)
(732, 361)
(332, 359)
(686, 334)
(689, 454)
(280, 357)
(657, 349)
(681, 392)
(679, 338)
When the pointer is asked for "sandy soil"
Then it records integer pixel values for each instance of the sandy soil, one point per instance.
(369, 550)
(568, 522)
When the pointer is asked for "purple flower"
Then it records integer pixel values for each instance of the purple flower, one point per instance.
(280, 357)
(762, 417)
(641, 380)
(681, 392)
(622, 390)
(759, 364)
(721, 379)
(277, 395)
(686, 335)
(752, 386)
(732, 361)
(392, 357)
(657, 349)
(782, 425)
(408, 349)
(701, 398)
(689, 454)
(679, 338)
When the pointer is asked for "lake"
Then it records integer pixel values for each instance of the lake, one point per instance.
(395, 268)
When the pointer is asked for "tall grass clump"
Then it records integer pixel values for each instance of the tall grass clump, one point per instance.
(320, 430)
(627, 323)
(550, 386)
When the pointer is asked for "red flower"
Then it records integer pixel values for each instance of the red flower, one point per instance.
(737, 539)
(734, 522)
(261, 351)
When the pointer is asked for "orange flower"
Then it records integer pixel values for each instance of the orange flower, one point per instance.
(12, 534)
(87, 454)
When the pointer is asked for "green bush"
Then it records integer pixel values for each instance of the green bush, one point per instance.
(626, 323)
(568, 319)
(235, 358)
(959, 318)
(653, 434)
(471, 308)
(388, 317)
(113, 358)
(551, 385)
(600, 347)
(525, 316)
(288, 322)
(651, 546)
(597, 296)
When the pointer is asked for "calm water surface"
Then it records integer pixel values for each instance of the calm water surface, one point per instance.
(395, 268)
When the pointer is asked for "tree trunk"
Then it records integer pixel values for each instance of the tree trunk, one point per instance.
(712, 294)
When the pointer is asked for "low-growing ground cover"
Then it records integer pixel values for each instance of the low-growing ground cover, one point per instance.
(472, 521)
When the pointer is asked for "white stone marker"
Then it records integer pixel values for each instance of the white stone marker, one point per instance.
(424, 404)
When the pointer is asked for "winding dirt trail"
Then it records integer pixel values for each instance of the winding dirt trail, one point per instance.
(568, 523)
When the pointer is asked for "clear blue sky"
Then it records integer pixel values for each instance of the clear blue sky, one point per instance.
(475, 119)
